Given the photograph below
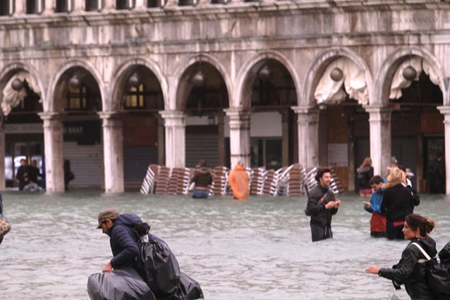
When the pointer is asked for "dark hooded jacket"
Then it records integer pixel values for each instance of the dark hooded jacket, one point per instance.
(202, 177)
(410, 272)
(397, 203)
(319, 196)
(123, 240)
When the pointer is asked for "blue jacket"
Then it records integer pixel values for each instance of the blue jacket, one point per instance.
(376, 200)
(123, 240)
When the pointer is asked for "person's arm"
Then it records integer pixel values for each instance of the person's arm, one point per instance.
(403, 269)
(194, 178)
(123, 238)
(1, 204)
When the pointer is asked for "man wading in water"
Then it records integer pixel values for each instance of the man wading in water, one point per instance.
(322, 205)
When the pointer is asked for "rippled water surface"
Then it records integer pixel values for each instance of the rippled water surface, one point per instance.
(256, 249)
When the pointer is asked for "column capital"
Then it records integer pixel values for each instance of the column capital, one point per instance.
(50, 115)
(378, 112)
(109, 115)
(445, 110)
(377, 108)
(172, 114)
(305, 109)
(237, 112)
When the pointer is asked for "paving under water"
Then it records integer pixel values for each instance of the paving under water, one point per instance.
(255, 249)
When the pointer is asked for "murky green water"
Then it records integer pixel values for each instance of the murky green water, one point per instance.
(257, 249)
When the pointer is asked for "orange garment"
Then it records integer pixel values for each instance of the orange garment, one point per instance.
(238, 181)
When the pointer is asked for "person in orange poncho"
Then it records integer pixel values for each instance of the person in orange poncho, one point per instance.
(238, 181)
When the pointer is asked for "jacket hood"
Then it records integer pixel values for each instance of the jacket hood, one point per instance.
(129, 220)
(428, 244)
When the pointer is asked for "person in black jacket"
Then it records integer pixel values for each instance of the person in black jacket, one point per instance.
(410, 270)
(321, 206)
(22, 174)
(364, 174)
(398, 202)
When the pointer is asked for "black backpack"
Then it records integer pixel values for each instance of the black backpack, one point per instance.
(438, 272)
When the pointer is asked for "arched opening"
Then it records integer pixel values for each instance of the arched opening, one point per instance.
(417, 127)
(20, 104)
(343, 128)
(203, 96)
(143, 128)
(273, 130)
(78, 98)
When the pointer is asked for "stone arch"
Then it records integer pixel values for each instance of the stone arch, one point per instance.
(249, 70)
(123, 72)
(390, 65)
(8, 71)
(179, 83)
(319, 65)
(51, 107)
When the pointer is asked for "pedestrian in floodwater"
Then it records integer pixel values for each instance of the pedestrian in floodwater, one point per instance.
(398, 202)
(238, 181)
(123, 237)
(436, 175)
(22, 174)
(322, 205)
(378, 219)
(68, 174)
(202, 179)
(409, 270)
(365, 173)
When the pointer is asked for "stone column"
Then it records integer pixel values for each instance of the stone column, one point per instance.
(175, 125)
(20, 8)
(308, 135)
(239, 136)
(445, 110)
(53, 145)
(2, 154)
(285, 138)
(49, 7)
(113, 152)
(380, 137)
(109, 4)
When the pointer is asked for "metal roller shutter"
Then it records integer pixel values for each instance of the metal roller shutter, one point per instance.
(86, 164)
(136, 162)
(202, 146)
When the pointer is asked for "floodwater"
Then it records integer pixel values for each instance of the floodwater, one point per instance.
(255, 249)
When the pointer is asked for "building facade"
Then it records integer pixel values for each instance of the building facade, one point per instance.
(114, 86)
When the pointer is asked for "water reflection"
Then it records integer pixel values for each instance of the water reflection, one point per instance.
(258, 249)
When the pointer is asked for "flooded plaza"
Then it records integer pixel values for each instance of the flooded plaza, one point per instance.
(255, 249)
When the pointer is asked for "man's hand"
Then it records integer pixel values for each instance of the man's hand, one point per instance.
(367, 204)
(108, 268)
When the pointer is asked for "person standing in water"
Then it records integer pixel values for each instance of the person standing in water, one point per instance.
(238, 180)
(322, 205)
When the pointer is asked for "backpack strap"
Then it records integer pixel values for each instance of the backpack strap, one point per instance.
(421, 250)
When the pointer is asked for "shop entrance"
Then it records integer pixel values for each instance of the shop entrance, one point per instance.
(266, 152)
(14, 152)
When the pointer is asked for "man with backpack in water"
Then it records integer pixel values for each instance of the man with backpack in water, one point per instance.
(135, 249)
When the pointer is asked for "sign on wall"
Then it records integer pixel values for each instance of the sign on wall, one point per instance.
(338, 155)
